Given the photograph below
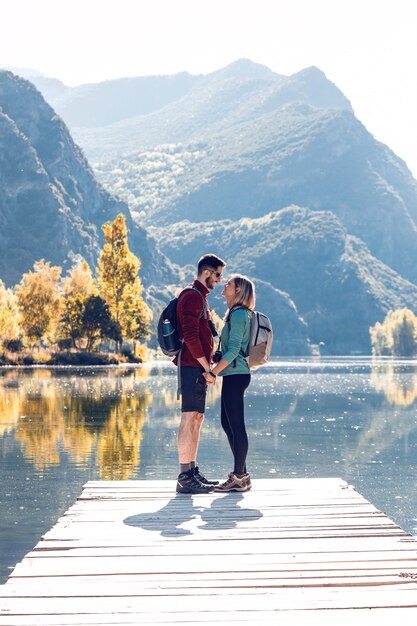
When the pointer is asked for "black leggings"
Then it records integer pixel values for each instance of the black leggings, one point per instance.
(233, 417)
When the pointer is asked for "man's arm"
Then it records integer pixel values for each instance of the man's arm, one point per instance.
(190, 307)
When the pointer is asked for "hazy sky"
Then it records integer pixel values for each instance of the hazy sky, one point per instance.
(367, 47)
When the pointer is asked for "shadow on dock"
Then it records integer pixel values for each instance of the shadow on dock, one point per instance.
(224, 512)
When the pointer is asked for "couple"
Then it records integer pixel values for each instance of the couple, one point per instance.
(196, 373)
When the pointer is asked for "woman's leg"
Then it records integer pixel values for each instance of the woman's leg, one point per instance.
(225, 421)
(233, 390)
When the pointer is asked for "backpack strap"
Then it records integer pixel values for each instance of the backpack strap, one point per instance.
(229, 315)
(236, 307)
(179, 388)
(204, 309)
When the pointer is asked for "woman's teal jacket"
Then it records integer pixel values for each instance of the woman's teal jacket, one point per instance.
(235, 338)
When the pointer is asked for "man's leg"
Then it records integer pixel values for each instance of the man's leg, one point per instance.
(189, 436)
(192, 416)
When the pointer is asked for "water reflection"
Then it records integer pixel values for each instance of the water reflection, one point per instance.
(81, 415)
(97, 413)
(397, 381)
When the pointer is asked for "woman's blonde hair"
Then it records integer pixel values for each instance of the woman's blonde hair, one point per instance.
(246, 296)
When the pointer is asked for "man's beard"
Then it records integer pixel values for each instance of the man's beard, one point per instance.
(209, 283)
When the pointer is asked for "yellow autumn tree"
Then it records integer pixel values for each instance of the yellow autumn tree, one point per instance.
(9, 315)
(80, 281)
(40, 301)
(119, 282)
(396, 336)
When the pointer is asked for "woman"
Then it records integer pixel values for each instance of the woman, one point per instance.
(239, 293)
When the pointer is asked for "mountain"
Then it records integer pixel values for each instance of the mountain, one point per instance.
(274, 173)
(51, 88)
(297, 153)
(335, 283)
(218, 102)
(101, 104)
(51, 205)
(25, 72)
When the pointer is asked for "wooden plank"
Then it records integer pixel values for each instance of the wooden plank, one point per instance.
(224, 549)
(205, 600)
(364, 617)
(152, 585)
(292, 507)
(368, 546)
(165, 564)
(268, 484)
(174, 580)
(327, 617)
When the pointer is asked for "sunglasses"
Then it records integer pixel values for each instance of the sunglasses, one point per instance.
(218, 274)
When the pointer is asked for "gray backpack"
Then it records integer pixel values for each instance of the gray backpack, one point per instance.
(260, 343)
(260, 338)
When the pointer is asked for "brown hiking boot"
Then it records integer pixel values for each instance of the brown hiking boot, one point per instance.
(233, 483)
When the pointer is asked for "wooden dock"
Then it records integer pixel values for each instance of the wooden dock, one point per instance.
(296, 551)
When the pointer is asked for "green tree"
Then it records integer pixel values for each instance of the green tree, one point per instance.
(78, 286)
(98, 322)
(40, 301)
(119, 282)
(86, 320)
(404, 334)
(72, 321)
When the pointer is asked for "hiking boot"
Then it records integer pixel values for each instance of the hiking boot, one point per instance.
(233, 483)
(203, 479)
(187, 482)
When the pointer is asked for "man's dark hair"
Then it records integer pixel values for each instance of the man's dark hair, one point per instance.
(209, 262)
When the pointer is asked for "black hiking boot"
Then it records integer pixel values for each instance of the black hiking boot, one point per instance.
(188, 483)
(203, 479)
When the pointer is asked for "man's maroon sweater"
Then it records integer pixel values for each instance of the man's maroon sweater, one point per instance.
(193, 327)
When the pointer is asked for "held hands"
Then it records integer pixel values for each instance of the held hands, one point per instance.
(209, 378)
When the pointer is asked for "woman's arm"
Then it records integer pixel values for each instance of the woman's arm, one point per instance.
(220, 366)
(237, 328)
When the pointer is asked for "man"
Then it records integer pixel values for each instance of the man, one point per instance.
(194, 326)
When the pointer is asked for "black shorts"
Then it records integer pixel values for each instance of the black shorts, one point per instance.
(193, 389)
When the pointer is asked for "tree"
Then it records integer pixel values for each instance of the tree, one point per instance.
(72, 318)
(119, 282)
(40, 301)
(396, 336)
(136, 315)
(404, 334)
(85, 320)
(9, 315)
(381, 340)
(80, 281)
(78, 286)
(98, 322)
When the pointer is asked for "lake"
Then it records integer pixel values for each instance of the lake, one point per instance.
(346, 417)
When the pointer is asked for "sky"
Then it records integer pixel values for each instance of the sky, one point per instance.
(368, 48)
